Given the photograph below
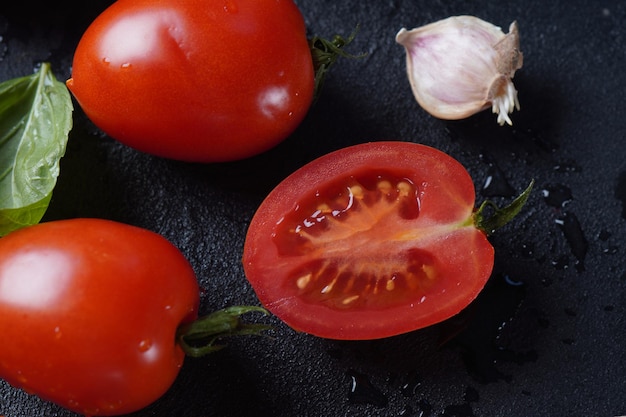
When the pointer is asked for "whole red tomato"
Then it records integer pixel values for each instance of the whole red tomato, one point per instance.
(89, 311)
(370, 241)
(196, 80)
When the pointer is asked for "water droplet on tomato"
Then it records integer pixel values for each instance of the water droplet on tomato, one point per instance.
(230, 7)
(362, 391)
(126, 65)
(72, 404)
(21, 379)
(145, 345)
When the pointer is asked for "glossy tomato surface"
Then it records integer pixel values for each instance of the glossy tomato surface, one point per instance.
(89, 311)
(369, 241)
(195, 80)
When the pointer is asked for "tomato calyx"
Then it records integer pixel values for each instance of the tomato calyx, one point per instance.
(500, 216)
(202, 336)
(326, 52)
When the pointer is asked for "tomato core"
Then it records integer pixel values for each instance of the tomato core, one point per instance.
(356, 215)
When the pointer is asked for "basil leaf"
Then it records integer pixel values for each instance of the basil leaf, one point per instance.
(35, 121)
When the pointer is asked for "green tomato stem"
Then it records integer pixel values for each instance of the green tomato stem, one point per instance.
(325, 53)
(500, 216)
(203, 335)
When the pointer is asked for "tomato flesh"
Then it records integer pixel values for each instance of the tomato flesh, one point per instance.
(195, 80)
(368, 242)
(89, 311)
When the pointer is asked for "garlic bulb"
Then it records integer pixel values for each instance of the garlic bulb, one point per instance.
(462, 65)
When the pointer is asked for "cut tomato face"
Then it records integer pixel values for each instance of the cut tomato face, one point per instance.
(367, 242)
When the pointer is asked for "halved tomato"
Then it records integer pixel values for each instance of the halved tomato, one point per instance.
(369, 241)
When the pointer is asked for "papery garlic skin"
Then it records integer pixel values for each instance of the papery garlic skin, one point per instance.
(462, 65)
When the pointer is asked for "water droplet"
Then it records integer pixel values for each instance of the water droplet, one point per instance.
(362, 391)
(126, 65)
(560, 263)
(409, 388)
(424, 409)
(72, 403)
(557, 195)
(611, 250)
(21, 379)
(57, 333)
(480, 330)
(335, 353)
(527, 249)
(572, 230)
(230, 7)
(496, 184)
(408, 411)
(567, 166)
(458, 410)
(145, 345)
(620, 191)
(471, 395)
(512, 281)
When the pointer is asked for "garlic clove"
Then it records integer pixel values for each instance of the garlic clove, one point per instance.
(462, 65)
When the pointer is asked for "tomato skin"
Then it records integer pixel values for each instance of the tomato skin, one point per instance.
(430, 258)
(195, 80)
(89, 311)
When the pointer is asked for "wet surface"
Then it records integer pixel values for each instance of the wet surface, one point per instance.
(547, 336)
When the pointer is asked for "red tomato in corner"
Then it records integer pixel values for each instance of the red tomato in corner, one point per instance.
(195, 80)
(89, 311)
(368, 242)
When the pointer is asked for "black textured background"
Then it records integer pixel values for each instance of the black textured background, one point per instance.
(547, 335)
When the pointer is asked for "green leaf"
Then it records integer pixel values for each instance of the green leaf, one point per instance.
(500, 216)
(35, 121)
(325, 53)
(203, 335)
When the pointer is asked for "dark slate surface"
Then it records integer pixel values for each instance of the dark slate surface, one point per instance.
(547, 335)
